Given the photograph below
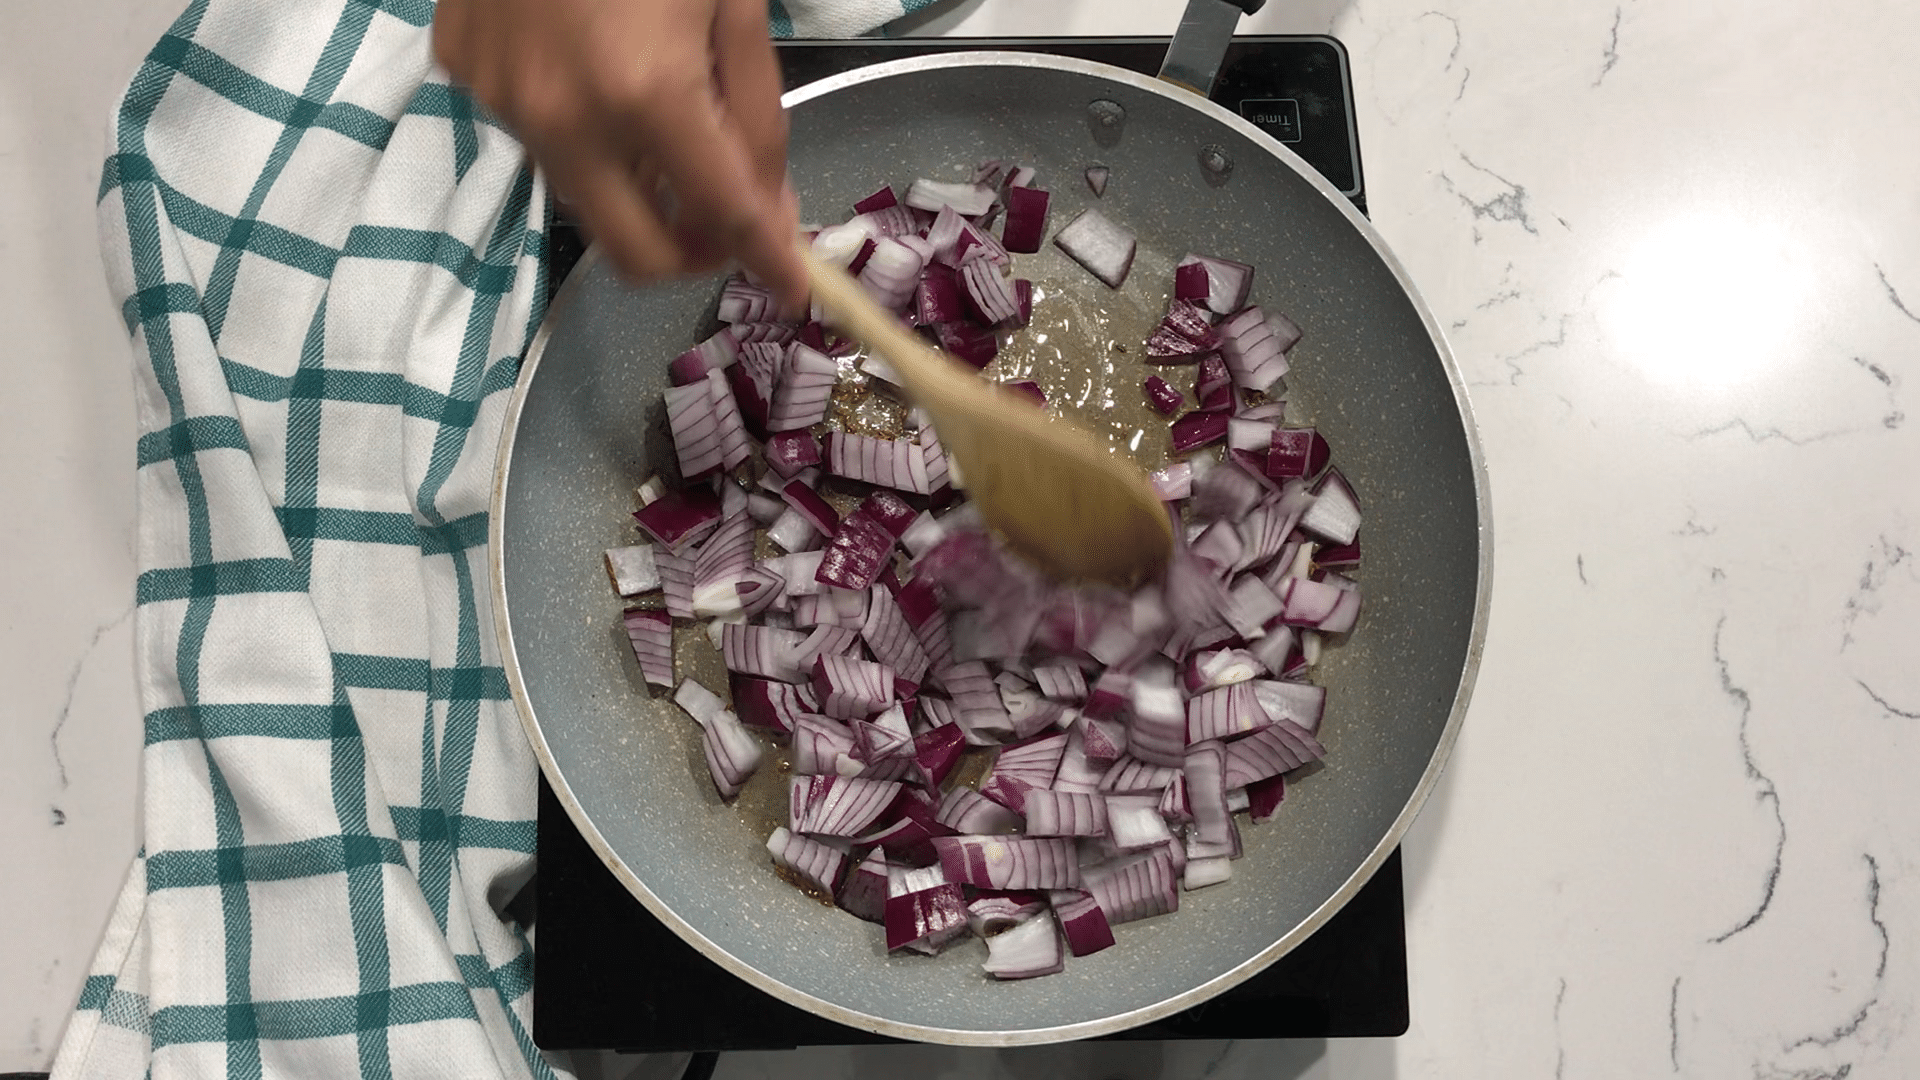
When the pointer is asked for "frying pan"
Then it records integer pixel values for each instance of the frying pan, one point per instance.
(1372, 372)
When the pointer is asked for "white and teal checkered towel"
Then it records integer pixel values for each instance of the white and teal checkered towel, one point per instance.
(329, 262)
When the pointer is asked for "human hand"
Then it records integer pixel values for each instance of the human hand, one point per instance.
(659, 120)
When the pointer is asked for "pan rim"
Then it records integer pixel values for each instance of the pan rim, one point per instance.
(530, 723)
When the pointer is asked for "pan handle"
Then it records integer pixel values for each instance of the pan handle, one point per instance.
(1200, 43)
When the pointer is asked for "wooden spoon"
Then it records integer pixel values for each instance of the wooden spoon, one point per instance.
(1072, 505)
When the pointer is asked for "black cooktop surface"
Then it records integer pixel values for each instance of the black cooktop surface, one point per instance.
(609, 975)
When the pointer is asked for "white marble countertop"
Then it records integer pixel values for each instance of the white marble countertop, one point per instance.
(1674, 248)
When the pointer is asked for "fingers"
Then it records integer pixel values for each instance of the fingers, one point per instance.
(748, 72)
(617, 208)
(725, 155)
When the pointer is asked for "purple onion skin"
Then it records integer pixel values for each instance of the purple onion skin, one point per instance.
(889, 511)
(754, 405)
(676, 513)
(975, 345)
(860, 260)
(937, 298)
(1162, 396)
(1198, 429)
(1026, 220)
(1190, 282)
(879, 200)
(938, 750)
(1023, 295)
(1341, 557)
(918, 915)
(1264, 796)
(1297, 453)
(1213, 384)
(790, 451)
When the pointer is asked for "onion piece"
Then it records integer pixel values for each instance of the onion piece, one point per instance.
(1296, 453)
(1082, 922)
(924, 910)
(1197, 429)
(1004, 862)
(805, 388)
(965, 810)
(864, 893)
(818, 744)
(839, 805)
(1029, 950)
(1026, 222)
(968, 343)
(879, 200)
(989, 293)
(732, 754)
(1255, 346)
(1134, 888)
(937, 297)
(993, 913)
(1065, 813)
(765, 651)
(788, 452)
(1097, 178)
(764, 703)
(1163, 397)
(1224, 713)
(651, 634)
(816, 863)
(1335, 513)
(1264, 797)
(1223, 290)
(851, 689)
(632, 570)
(1096, 243)
(936, 751)
(965, 199)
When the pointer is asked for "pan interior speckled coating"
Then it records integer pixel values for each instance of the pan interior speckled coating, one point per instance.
(1371, 371)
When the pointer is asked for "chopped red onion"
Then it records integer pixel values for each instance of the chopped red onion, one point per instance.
(1173, 483)
(975, 345)
(776, 706)
(937, 750)
(819, 743)
(815, 862)
(790, 451)
(879, 200)
(864, 893)
(1157, 731)
(1029, 950)
(713, 354)
(1213, 384)
(989, 293)
(1198, 429)
(1223, 291)
(1096, 243)
(1207, 794)
(1103, 741)
(1278, 748)
(891, 273)
(937, 298)
(741, 302)
(965, 199)
(1224, 713)
(1134, 822)
(1255, 347)
(1097, 177)
(1206, 671)
(1134, 888)
(1264, 796)
(965, 810)
(1026, 219)
(1081, 921)
(1063, 813)
(676, 583)
(651, 634)
(1335, 513)
(1162, 396)
(1061, 681)
(805, 388)
(839, 805)
(1028, 389)
(993, 913)
(695, 427)
(1130, 776)
(1004, 862)
(632, 570)
(924, 910)
(1296, 453)
(765, 651)
(893, 463)
(732, 754)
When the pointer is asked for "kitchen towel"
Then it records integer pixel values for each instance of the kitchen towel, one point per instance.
(329, 262)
